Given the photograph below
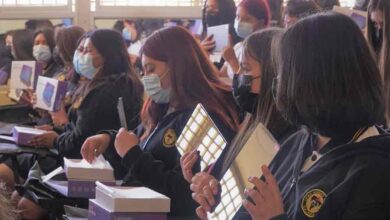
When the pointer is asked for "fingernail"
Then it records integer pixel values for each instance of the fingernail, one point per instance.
(250, 178)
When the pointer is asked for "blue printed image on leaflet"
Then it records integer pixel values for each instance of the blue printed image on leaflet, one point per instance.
(26, 74)
(48, 93)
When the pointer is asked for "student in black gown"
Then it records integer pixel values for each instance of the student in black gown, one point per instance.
(336, 167)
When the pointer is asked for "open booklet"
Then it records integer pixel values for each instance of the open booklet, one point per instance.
(202, 134)
(260, 148)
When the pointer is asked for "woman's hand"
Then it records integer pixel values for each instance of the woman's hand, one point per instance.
(229, 55)
(267, 200)
(60, 117)
(125, 141)
(208, 44)
(44, 127)
(45, 140)
(94, 146)
(187, 162)
(206, 190)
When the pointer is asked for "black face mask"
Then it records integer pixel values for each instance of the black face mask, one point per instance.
(212, 19)
(378, 39)
(242, 94)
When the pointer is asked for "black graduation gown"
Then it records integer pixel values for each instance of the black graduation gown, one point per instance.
(349, 181)
(155, 163)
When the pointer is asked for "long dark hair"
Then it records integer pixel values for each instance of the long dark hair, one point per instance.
(382, 47)
(329, 80)
(188, 64)
(22, 42)
(116, 65)
(258, 46)
(67, 39)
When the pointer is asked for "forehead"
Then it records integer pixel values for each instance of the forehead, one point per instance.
(377, 16)
(212, 4)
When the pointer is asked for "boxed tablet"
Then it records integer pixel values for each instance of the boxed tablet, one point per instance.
(50, 93)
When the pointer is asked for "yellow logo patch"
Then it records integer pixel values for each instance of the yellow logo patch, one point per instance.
(312, 202)
(169, 138)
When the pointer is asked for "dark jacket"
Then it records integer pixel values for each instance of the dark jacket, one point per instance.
(349, 181)
(97, 112)
(155, 163)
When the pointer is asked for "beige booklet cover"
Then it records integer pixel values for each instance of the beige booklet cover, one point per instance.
(259, 150)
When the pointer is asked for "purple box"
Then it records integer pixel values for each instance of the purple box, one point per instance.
(84, 189)
(50, 93)
(23, 135)
(97, 212)
(76, 188)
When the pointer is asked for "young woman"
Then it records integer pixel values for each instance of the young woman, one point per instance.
(336, 167)
(178, 76)
(378, 34)
(296, 10)
(102, 59)
(22, 45)
(252, 88)
(251, 16)
(217, 12)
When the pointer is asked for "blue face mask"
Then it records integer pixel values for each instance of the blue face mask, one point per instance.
(243, 29)
(42, 53)
(153, 88)
(83, 65)
(126, 34)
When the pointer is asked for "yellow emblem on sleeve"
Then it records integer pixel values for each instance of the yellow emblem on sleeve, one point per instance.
(312, 202)
(169, 139)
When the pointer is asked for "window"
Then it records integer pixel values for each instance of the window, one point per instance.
(149, 2)
(14, 3)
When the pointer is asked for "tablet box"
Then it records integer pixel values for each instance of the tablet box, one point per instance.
(50, 93)
(22, 135)
(76, 188)
(128, 203)
(24, 75)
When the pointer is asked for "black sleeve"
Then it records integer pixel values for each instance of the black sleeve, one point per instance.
(96, 113)
(153, 173)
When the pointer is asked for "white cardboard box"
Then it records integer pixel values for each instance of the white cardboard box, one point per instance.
(131, 199)
(24, 75)
(50, 93)
(76, 169)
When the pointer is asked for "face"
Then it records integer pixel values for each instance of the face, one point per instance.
(249, 66)
(212, 7)
(161, 69)
(90, 49)
(40, 40)
(8, 40)
(131, 28)
(242, 15)
(289, 20)
(377, 18)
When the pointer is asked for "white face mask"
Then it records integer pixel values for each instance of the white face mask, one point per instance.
(152, 84)
(42, 53)
(243, 29)
(83, 65)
